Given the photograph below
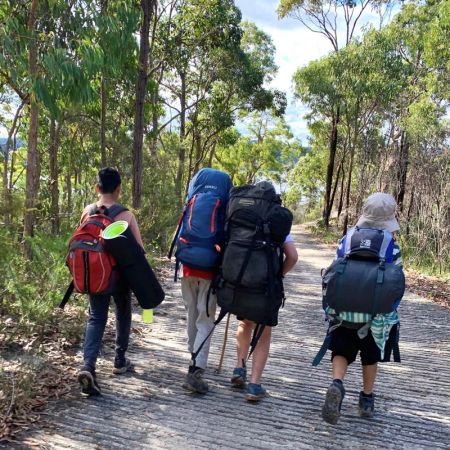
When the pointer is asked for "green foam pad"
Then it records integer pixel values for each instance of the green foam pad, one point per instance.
(115, 229)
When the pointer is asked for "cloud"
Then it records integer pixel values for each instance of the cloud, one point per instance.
(295, 46)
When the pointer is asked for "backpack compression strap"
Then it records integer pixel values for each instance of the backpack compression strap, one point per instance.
(219, 319)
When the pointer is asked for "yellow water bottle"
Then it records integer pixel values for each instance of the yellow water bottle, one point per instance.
(147, 315)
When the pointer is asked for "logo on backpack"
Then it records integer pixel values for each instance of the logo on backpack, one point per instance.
(365, 243)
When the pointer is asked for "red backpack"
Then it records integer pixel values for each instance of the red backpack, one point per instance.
(91, 266)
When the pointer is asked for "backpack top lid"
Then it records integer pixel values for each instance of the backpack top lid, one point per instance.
(208, 179)
(262, 190)
(368, 243)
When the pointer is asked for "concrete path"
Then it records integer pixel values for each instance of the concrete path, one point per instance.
(149, 409)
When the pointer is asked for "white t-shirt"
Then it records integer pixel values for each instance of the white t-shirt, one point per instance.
(289, 238)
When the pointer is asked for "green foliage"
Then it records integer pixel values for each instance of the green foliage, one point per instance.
(31, 291)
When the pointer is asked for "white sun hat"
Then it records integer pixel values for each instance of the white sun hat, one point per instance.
(379, 212)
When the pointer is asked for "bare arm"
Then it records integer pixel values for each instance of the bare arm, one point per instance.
(290, 257)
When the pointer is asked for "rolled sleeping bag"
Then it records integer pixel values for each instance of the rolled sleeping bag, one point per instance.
(130, 257)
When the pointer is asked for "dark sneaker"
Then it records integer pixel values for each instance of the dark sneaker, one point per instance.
(366, 405)
(331, 409)
(195, 383)
(255, 392)
(88, 382)
(239, 377)
(121, 366)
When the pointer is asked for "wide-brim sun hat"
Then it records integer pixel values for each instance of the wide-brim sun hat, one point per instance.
(379, 212)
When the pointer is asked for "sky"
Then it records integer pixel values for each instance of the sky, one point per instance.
(295, 46)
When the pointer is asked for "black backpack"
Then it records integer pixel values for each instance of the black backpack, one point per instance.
(364, 277)
(250, 281)
(249, 284)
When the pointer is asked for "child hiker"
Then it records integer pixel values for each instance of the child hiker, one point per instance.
(108, 188)
(362, 290)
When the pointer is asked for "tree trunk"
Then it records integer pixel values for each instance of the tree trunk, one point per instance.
(6, 183)
(32, 171)
(182, 151)
(336, 182)
(330, 168)
(341, 195)
(141, 89)
(103, 121)
(402, 170)
(54, 186)
(350, 168)
(408, 217)
(347, 193)
(69, 193)
(155, 125)
(211, 154)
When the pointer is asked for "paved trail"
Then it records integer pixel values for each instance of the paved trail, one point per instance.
(149, 409)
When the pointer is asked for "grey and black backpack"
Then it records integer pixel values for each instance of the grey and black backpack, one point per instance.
(364, 278)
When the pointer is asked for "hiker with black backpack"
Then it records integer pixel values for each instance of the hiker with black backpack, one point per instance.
(259, 251)
(362, 290)
(199, 242)
(100, 278)
(255, 391)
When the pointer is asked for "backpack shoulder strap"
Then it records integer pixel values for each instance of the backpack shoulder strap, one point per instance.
(115, 210)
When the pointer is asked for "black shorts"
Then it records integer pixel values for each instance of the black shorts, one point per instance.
(346, 342)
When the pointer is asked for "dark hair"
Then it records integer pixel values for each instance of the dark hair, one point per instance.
(108, 180)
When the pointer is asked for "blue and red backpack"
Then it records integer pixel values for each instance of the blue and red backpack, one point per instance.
(200, 233)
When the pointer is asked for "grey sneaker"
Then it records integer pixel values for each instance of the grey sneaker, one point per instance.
(331, 409)
(194, 382)
(239, 377)
(366, 405)
(88, 382)
(121, 367)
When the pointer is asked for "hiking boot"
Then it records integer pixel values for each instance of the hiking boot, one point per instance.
(366, 405)
(121, 366)
(331, 409)
(255, 392)
(88, 382)
(194, 381)
(239, 377)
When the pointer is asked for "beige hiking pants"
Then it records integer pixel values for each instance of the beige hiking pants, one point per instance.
(195, 291)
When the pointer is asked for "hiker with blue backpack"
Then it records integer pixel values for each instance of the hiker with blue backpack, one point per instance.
(362, 290)
(199, 242)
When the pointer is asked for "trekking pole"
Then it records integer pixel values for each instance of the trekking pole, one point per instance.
(225, 338)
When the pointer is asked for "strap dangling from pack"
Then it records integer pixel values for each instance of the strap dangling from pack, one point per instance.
(222, 314)
(257, 333)
(210, 289)
(67, 295)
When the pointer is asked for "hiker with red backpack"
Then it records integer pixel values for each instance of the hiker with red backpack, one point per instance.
(100, 278)
(362, 290)
(199, 241)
